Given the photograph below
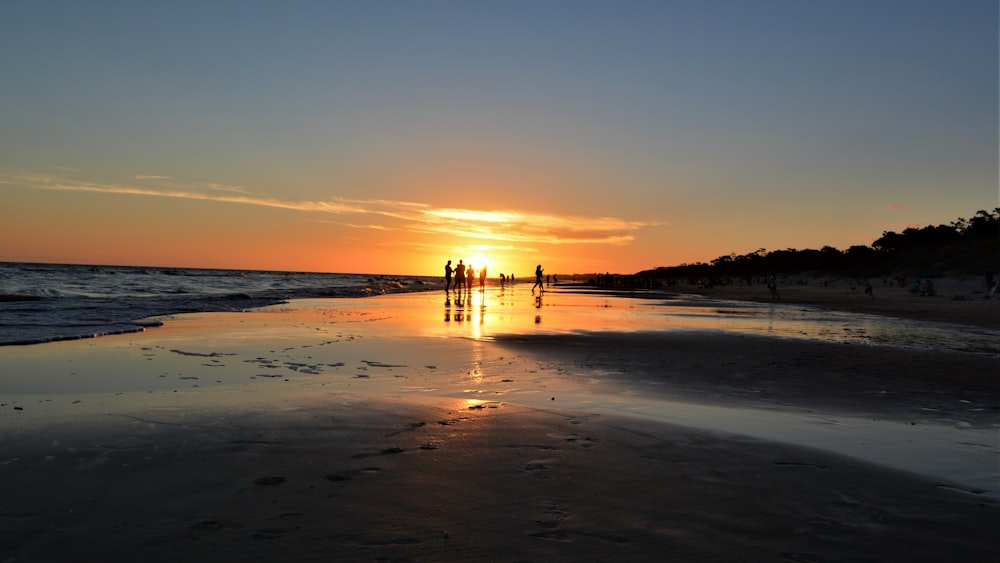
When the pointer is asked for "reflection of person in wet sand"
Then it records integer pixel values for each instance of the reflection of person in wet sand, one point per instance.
(538, 305)
(447, 275)
(538, 279)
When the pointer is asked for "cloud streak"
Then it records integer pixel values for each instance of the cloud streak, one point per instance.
(496, 226)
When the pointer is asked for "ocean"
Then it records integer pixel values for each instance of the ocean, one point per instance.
(50, 302)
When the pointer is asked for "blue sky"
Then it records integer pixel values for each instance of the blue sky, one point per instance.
(678, 130)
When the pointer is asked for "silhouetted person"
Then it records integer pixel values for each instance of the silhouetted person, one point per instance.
(459, 276)
(482, 278)
(538, 279)
(470, 275)
(772, 285)
(447, 275)
(869, 290)
(503, 280)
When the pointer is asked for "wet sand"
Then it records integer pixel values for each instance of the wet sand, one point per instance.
(964, 301)
(388, 429)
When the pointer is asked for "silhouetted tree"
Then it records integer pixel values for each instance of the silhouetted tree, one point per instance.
(965, 245)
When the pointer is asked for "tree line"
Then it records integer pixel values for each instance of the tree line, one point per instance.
(962, 247)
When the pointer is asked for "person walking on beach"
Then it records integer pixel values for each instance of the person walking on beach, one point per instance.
(869, 290)
(538, 279)
(459, 276)
(470, 275)
(772, 284)
(482, 278)
(447, 276)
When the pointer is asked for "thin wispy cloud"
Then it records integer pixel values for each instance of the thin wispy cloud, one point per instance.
(229, 189)
(146, 177)
(500, 228)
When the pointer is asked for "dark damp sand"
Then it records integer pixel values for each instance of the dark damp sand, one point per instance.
(341, 475)
(956, 301)
(365, 481)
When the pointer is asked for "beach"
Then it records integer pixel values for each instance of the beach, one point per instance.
(582, 425)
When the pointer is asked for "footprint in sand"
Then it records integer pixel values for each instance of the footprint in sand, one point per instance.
(537, 468)
(409, 428)
(269, 534)
(383, 451)
(552, 517)
(338, 477)
(583, 441)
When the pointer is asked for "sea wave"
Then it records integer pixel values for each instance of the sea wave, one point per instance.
(45, 303)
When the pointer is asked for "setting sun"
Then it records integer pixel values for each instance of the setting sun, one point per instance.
(479, 261)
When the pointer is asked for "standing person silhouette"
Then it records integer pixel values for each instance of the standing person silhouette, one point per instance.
(470, 275)
(772, 285)
(538, 279)
(482, 278)
(459, 276)
(447, 276)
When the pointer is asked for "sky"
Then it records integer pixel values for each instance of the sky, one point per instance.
(387, 137)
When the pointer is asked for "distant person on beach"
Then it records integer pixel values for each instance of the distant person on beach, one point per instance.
(772, 285)
(470, 275)
(447, 275)
(538, 279)
(869, 290)
(503, 280)
(482, 278)
(459, 276)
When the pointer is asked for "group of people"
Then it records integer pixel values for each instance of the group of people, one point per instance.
(464, 276)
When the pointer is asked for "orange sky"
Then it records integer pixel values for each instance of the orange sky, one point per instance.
(586, 137)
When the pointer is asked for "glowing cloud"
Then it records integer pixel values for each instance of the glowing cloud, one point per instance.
(496, 226)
